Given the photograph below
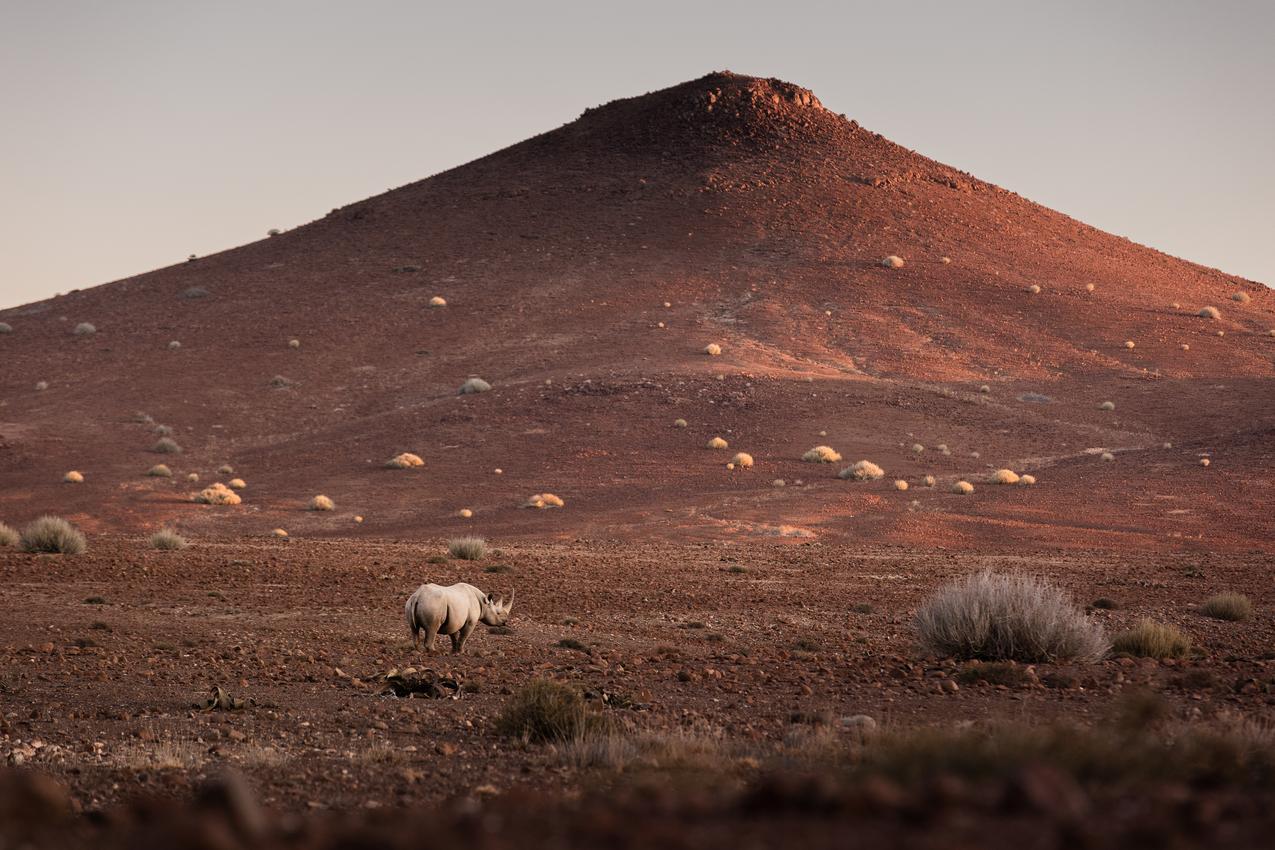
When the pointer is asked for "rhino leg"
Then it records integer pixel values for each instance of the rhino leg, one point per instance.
(431, 637)
(458, 639)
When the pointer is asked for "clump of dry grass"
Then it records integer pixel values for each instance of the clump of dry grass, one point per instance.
(1107, 405)
(159, 470)
(1204, 461)
(166, 446)
(174, 344)
(73, 477)
(1149, 639)
(712, 349)
(167, 540)
(41, 386)
(9, 536)
(237, 484)
(294, 343)
(1107, 457)
(1034, 289)
(822, 454)
(405, 460)
(545, 711)
(438, 301)
(217, 494)
(892, 262)
(1241, 297)
(917, 448)
(900, 484)
(54, 535)
(962, 488)
(84, 329)
(6, 328)
(467, 548)
(225, 469)
(1209, 313)
(995, 617)
(1005, 476)
(1027, 480)
(192, 477)
(929, 480)
(1233, 607)
(679, 423)
(864, 470)
(464, 513)
(279, 382)
(544, 500)
(1130, 344)
(279, 532)
(322, 503)
(473, 385)
(717, 443)
(742, 459)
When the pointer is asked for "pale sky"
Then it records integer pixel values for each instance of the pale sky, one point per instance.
(135, 133)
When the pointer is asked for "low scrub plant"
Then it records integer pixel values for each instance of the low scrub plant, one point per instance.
(822, 454)
(404, 460)
(864, 470)
(544, 711)
(1149, 639)
(1234, 607)
(473, 385)
(167, 540)
(467, 548)
(166, 446)
(52, 534)
(322, 503)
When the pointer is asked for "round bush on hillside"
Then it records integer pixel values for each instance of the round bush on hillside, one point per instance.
(962, 488)
(822, 454)
(405, 460)
(322, 503)
(742, 459)
(52, 534)
(438, 301)
(6, 328)
(1005, 476)
(73, 477)
(864, 470)
(994, 617)
(84, 329)
(159, 470)
(892, 262)
(717, 443)
(474, 385)
(712, 349)
(1209, 313)
(166, 446)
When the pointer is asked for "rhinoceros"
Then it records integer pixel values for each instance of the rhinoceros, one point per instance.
(453, 611)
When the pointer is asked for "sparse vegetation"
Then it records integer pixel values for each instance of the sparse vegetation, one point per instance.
(474, 385)
(929, 480)
(438, 301)
(41, 386)
(1233, 607)
(900, 484)
(225, 469)
(6, 328)
(84, 329)
(173, 345)
(167, 540)
(1005, 476)
(864, 470)
(543, 500)
(294, 343)
(742, 459)
(217, 494)
(1149, 639)
(279, 382)
(1107, 457)
(717, 443)
(73, 477)
(192, 477)
(962, 488)
(166, 446)
(995, 617)
(53, 535)
(1034, 289)
(1209, 313)
(1241, 297)
(545, 711)
(917, 448)
(1005, 673)
(237, 484)
(322, 503)
(159, 470)
(679, 423)
(405, 460)
(464, 513)
(712, 349)
(467, 548)
(1027, 480)
(892, 262)
(1107, 405)
(279, 532)
(9, 536)
(822, 454)
(1130, 344)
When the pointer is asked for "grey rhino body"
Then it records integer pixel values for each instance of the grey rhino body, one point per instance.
(454, 611)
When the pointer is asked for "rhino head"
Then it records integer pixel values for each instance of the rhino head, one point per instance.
(495, 610)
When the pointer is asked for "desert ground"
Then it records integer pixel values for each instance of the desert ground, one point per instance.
(738, 638)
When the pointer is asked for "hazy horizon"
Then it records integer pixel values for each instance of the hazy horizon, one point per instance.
(143, 132)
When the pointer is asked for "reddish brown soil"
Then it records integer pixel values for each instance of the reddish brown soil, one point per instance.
(711, 597)
(761, 218)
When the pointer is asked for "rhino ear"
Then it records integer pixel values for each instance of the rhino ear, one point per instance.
(491, 599)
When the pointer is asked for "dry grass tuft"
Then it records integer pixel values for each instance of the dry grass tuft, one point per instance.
(544, 500)
(743, 460)
(1034, 289)
(192, 477)
(900, 484)
(1107, 457)
(1209, 313)
(1232, 607)
(464, 513)
(6, 328)
(929, 480)
(473, 385)
(294, 343)
(712, 349)
(168, 540)
(159, 470)
(679, 423)
(1027, 480)
(438, 301)
(717, 443)
(73, 477)
(279, 532)
(1107, 405)
(322, 503)
(52, 534)
(237, 484)
(994, 617)
(864, 470)
(217, 494)
(84, 329)
(1149, 639)
(822, 454)
(9, 537)
(1005, 476)
(225, 469)
(917, 448)
(1130, 344)
(166, 446)
(467, 548)
(41, 386)
(173, 345)
(545, 711)
(1204, 461)
(892, 262)
(962, 488)
(1241, 297)
(405, 460)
